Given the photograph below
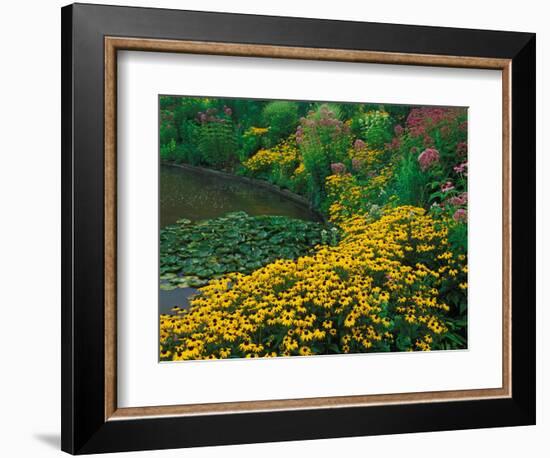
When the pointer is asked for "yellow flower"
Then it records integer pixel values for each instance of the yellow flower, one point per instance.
(361, 290)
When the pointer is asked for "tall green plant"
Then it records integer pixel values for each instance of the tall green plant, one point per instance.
(281, 117)
(411, 183)
(323, 140)
(217, 143)
(376, 128)
(168, 150)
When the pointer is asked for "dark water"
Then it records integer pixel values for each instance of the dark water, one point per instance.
(178, 296)
(197, 196)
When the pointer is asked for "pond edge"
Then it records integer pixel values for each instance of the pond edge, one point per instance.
(261, 183)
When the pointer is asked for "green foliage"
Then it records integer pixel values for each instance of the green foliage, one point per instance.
(349, 110)
(168, 150)
(411, 185)
(217, 143)
(348, 160)
(398, 113)
(458, 237)
(435, 128)
(168, 132)
(323, 140)
(193, 253)
(248, 112)
(251, 140)
(281, 117)
(376, 128)
(187, 109)
(334, 109)
(188, 150)
(356, 125)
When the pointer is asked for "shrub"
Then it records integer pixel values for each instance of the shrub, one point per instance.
(398, 113)
(217, 141)
(167, 150)
(376, 128)
(441, 128)
(167, 130)
(411, 184)
(187, 149)
(349, 110)
(281, 117)
(251, 141)
(432, 146)
(323, 140)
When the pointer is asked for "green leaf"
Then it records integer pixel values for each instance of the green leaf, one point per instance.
(234, 242)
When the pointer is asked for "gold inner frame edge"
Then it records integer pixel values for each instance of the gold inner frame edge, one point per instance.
(114, 44)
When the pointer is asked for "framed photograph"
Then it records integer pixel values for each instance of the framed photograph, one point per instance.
(281, 228)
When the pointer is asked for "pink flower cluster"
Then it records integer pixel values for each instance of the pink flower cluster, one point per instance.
(359, 145)
(325, 119)
(338, 168)
(420, 119)
(461, 215)
(211, 115)
(446, 187)
(427, 158)
(462, 149)
(461, 199)
(460, 168)
(395, 143)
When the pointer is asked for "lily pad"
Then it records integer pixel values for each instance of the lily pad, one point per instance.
(192, 253)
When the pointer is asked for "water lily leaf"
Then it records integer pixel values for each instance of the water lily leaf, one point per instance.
(236, 242)
(168, 276)
(167, 287)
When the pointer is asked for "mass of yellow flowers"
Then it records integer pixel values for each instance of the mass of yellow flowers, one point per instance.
(282, 155)
(379, 289)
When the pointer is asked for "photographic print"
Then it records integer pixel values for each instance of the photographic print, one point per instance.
(298, 228)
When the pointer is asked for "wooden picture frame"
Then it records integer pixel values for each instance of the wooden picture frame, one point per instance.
(91, 37)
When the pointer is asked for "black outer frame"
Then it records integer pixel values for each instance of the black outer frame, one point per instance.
(84, 429)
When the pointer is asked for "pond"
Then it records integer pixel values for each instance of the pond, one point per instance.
(194, 195)
(198, 196)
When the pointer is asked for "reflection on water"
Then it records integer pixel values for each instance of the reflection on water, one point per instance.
(195, 196)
